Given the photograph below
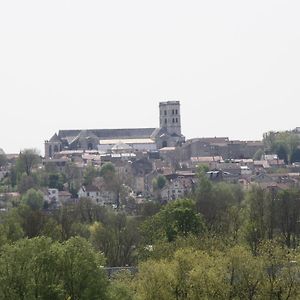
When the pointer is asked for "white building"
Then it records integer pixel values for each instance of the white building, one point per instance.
(101, 197)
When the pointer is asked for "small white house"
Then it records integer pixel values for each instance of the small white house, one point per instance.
(101, 197)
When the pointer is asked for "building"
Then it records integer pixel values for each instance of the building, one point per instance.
(97, 195)
(109, 140)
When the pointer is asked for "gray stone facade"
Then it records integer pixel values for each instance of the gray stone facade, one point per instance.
(168, 134)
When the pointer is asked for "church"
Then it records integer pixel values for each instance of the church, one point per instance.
(167, 135)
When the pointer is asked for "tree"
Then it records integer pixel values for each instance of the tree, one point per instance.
(281, 272)
(56, 181)
(295, 156)
(160, 182)
(288, 215)
(177, 218)
(122, 286)
(27, 160)
(283, 143)
(42, 269)
(282, 153)
(108, 171)
(259, 222)
(29, 269)
(156, 280)
(115, 182)
(90, 173)
(30, 212)
(73, 177)
(34, 199)
(26, 182)
(117, 239)
(82, 271)
(3, 160)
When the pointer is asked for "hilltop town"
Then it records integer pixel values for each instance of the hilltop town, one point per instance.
(145, 213)
(150, 163)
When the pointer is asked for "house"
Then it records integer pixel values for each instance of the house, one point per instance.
(64, 197)
(210, 161)
(97, 195)
(176, 188)
(51, 197)
(179, 184)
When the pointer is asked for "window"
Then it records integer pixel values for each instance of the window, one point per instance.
(173, 121)
(165, 121)
(165, 112)
(176, 111)
(176, 120)
(172, 111)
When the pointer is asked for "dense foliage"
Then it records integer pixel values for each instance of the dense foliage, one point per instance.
(219, 243)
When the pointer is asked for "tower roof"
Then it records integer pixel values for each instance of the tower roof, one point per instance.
(169, 103)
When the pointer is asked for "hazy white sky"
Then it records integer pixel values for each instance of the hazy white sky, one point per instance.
(234, 65)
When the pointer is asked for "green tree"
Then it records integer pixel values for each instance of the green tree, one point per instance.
(27, 160)
(115, 182)
(287, 210)
(90, 173)
(295, 156)
(122, 286)
(34, 199)
(177, 218)
(82, 271)
(3, 160)
(259, 221)
(117, 239)
(30, 213)
(41, 269)
(25, 183)
(282, 152)
(108, 171)
(29, 270)
(56, 181)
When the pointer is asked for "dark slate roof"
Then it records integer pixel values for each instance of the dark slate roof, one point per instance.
(55, 138)
(161, 132)
(111, 133)
(84, 134)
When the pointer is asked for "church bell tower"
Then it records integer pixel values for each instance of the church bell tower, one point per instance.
(169, 117)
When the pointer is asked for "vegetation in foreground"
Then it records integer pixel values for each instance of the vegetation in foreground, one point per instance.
(218, 243)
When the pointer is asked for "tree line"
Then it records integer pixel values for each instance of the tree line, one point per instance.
(219, 242)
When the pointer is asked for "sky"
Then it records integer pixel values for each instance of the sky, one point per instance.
(68, 64)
